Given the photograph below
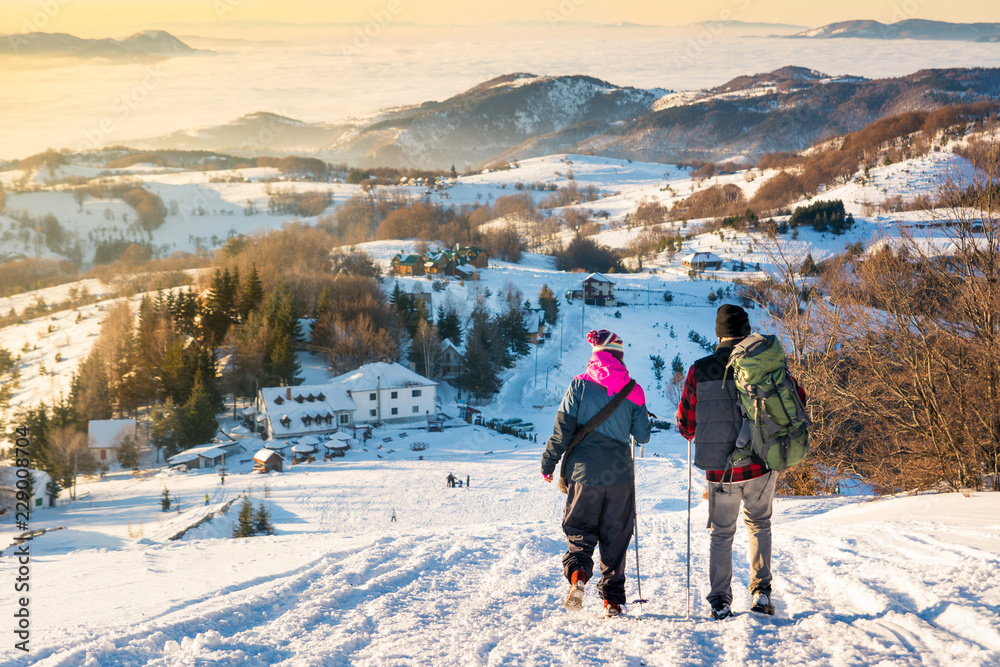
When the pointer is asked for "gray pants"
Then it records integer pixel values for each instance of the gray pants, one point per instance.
(602, 515)
(724, 507)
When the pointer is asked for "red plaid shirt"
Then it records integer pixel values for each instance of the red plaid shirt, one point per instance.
(686, 423)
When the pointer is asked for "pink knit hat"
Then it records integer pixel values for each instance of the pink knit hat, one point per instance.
(605, 340)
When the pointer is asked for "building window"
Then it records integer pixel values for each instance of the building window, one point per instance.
(343, 419)
(395, 411)
(371, 396)
(416, 392)
(416, 409)
(371, 413)
(394, 394)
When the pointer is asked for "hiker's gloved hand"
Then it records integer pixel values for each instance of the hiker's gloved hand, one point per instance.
(547, 478)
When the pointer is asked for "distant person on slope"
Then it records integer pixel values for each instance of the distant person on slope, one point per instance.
(709, 413)
(600, 483)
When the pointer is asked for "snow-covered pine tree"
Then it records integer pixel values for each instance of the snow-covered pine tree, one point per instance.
(244, 526)
(262, 521)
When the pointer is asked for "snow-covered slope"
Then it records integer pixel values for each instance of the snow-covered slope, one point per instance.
(473, 575)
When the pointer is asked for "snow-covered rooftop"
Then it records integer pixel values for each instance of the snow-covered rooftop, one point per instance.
(265, 455)
(205, 451)
(381, 375)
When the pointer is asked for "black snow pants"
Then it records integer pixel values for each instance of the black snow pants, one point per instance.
(605, 516)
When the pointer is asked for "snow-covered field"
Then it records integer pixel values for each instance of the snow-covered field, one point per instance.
(472, 576)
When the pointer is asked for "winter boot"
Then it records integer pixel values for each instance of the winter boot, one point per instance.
(720, 609)
(762, 603)
(574, 601)
(612, 609)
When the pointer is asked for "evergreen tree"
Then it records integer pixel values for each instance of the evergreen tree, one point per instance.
(549, 304)
(164, 429)
(90, 390)
(128, 453)
(165, 500)
(324, 303)
(219, 309)
(677, 365)
(514, 335)
(658, 366)
(808, 267)
(198, 423)
(249, 349)
(176, 373)
(253, 294)
(449, 324)
(184, 309)
(244, 524)
(483, 355)
(262, 521)
(281, 311)
(282, 365)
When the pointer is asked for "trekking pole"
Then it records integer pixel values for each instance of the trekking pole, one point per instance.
(687, 595)
(635, 529)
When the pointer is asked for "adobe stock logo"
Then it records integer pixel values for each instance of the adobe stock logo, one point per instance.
(364, 34)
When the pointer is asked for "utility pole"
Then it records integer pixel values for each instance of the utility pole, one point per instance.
(535, 383)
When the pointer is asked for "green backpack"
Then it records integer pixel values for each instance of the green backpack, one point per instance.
(775, 427)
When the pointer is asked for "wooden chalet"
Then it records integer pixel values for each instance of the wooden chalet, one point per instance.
(267, 460)
(411, 265)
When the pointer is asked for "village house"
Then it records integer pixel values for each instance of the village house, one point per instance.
(439, 263)
(537, 336)
(596, 290)
(411, 265)
(105, 437)
(451, 360)
(700, 261)
(378, 392)
(389, 392)
(204, 456)
(472, 256)
(267, 460)
(40, 497)
(459, 263)
(291, 412)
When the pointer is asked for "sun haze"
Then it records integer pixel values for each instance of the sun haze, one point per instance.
(110, 17)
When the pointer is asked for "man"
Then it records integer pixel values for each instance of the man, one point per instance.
(600, 499)
(709, 413)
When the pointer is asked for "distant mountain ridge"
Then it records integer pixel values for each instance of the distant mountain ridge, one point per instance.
(523, 115)
(907, 29)
(149, 43)
(467, 129)
(786, 110)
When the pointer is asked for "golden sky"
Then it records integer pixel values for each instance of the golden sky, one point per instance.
(116, 17)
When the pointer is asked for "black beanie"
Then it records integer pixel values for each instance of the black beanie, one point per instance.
(731, 322)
